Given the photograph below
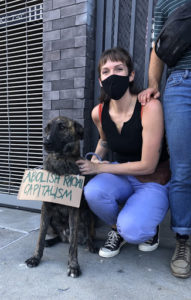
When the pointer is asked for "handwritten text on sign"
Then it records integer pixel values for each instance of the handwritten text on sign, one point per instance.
(45, 186)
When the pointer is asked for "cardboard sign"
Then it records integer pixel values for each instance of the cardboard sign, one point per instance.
(42, 185)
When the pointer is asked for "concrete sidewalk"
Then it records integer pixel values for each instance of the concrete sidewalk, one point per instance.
(132, 275)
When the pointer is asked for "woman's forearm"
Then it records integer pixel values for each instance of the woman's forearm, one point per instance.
(101, 150)
(130, 168)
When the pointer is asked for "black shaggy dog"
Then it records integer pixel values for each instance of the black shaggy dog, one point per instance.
(62, 144)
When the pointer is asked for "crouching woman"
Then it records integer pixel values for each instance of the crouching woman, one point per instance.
(130, 193)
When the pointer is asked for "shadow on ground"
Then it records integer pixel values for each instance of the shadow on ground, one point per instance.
(132, 275)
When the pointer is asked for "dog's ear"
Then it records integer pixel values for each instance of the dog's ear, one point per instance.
(79, 130)
(47, 128)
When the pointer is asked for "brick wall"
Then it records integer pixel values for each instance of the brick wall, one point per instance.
(68, 52)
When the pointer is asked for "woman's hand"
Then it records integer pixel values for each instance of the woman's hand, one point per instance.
(87, 167)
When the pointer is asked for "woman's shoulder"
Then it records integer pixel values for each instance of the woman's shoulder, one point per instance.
(152, 113)
(152, 107)
(96, 113)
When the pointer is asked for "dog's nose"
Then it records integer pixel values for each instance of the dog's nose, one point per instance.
(47, 143)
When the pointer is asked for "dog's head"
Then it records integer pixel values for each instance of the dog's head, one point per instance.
(63, 135)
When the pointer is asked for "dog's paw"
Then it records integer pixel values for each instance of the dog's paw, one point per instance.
(32, 262)
(74, 271)
(93, 249)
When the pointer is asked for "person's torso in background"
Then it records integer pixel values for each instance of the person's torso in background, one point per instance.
(163, 9)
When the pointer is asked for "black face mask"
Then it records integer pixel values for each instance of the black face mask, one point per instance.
(115, 86)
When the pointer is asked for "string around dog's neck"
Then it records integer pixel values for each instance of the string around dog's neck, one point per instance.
(93, 154)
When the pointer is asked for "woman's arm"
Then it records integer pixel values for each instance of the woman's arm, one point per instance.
(101, 148)
(152, 134)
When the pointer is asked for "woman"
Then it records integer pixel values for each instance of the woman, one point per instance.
(124, 194)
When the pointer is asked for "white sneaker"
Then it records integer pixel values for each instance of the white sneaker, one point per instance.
(151, 244)
(112, 245)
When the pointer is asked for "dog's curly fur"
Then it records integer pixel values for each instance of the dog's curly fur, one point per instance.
(70, 224)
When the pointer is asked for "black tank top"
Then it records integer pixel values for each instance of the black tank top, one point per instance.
(127, 145)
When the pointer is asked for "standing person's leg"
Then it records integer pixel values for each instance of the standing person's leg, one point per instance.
(177, 110)
(104, 194)
(143, 212)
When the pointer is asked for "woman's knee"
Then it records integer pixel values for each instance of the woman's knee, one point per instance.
(100, 200)
(92, 194)
(134, 232)
(102, 204)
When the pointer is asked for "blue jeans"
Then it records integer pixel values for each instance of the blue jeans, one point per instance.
(135, 207)
(177, 112)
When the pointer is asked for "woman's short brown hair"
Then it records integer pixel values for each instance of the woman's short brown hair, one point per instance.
(115, 54)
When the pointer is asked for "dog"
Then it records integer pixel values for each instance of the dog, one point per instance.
(70, 224)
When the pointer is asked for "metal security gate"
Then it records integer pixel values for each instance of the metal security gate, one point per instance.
(21, 79)
(128, 24)
(135, 30)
